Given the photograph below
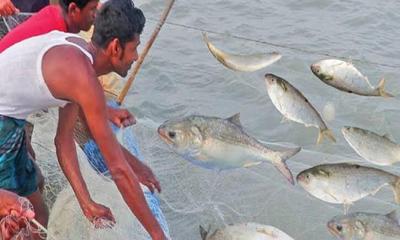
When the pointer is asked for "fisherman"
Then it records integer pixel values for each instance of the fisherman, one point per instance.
(74, 16)
(11, 207)
(59, 83)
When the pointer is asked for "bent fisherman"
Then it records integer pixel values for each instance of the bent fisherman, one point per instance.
(66, 64)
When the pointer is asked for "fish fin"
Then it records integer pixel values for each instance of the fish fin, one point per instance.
(284, 155)
(280, 162)
(346, 207)
(381, 89)
(285, 120)
(396, 190)
(235, 119)
(394, 216)
(325, 133)
(285, 171)
(203, 232)
(388, 137)
(251, 164)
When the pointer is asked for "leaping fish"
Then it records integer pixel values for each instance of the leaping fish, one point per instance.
(243, 63)
(245, 231)
(292, 104)
(344, 76)
(365, 226)
(218, 143)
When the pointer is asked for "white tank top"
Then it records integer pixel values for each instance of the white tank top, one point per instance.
(23, 90)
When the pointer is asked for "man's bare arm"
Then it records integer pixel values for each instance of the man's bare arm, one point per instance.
(67, 157)
(78, 83)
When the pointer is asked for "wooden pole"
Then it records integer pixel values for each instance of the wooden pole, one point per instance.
(146, 49)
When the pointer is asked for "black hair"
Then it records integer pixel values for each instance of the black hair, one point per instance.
(80, 3)
(117, 19)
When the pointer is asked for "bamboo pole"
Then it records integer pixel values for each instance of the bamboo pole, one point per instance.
(146, 49)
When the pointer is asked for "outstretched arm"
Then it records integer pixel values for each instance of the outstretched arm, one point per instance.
(78, 83)
(67, 157)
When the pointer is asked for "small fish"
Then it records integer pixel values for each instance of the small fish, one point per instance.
(372, 147)
(344, 76)
(345, 183)
(243, 63)
(365, 226)
(245, 231)
(291, 103)
(218, 143)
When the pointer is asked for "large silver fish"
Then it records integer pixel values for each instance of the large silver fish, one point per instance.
(218, 143)
(372, 147)
(345, 183)
(365, 226)
(243, 63)
(245, 231)
(292, 104)
(344, 76)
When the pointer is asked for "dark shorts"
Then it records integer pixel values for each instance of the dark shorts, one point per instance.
(17, 172)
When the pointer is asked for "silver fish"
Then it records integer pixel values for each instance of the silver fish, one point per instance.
(344, 76)
(365, 226)
(243, 63)
(372, 147)
(345, 183)
(245, 231)
(292, 104)
(218, 143)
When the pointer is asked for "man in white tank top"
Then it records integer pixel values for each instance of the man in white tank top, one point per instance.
(61, 69)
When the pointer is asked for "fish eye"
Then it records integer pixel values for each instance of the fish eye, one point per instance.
(339, 228)
(171, 134)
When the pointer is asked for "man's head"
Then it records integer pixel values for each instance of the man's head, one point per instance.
(117, 30)
(79, 14)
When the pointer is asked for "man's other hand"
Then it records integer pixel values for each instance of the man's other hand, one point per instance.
(120, 117)
(7, 8)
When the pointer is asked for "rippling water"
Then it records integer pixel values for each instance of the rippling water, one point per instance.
(180, 77)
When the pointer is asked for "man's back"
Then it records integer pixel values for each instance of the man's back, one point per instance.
(48, 19)
(25, 86)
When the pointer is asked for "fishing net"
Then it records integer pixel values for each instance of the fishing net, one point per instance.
(10, 22)
(19, 227)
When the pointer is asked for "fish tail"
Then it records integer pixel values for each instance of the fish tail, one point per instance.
(381, 89)
(282, 166)
(396, 190)
(285, 171)
(325, 133)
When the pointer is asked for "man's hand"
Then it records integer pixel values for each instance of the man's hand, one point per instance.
(120, 117)
(99, 215)
(7, 8)
(142, 171)
(16, 216)
(146, 177)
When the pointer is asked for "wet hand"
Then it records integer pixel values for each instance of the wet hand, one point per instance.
(120, 117)
(7, 8)
(15, 213)
(147, 177)
(99, 215)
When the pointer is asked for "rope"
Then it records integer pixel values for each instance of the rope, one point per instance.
(199, 29)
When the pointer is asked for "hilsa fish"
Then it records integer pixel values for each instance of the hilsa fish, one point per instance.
(243, 63)
(374, 148)
(345, 183)
(218, 143)
(292, 104)
(345, 77)
(365, 226)
(245, 231)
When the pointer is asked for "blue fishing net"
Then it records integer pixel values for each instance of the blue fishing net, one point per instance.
(129, 141)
